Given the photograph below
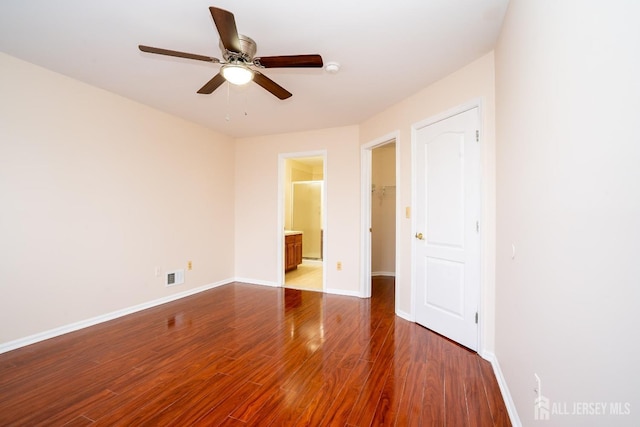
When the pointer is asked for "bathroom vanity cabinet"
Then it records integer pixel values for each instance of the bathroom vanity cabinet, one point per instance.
(292, 250)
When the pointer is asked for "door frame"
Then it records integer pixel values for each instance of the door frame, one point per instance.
(282, 157)
(365, 209)
(474, 103)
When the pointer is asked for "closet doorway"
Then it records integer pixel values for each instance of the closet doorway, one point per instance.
(383, 210)
(304, 219)
(380, 201)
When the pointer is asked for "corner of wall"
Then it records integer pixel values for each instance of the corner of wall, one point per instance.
(504, 388)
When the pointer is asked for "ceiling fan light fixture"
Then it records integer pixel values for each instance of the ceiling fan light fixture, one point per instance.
(236, 74)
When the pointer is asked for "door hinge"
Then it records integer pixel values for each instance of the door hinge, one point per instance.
(476, 317)
(477, 136)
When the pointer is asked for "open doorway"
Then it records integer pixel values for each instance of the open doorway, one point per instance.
(304, 218)
(383, 210)
(379, 213)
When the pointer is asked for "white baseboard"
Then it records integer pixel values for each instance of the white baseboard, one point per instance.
(504, 389)
(257, 282)
(404, 315)
(343, 292)
(65, 329)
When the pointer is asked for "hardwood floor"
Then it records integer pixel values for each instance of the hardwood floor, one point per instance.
(243, 355)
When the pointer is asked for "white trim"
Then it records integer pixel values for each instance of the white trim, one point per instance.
(258, 282)
(65, 329)
(344, 292)
(414, 198)
(365, 221)
(504, 389)
(470, 105)
(404, 315)
(280, 220)
(474, 103)
(365, 208)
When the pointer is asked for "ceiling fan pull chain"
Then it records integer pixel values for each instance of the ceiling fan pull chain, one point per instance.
(228, 90)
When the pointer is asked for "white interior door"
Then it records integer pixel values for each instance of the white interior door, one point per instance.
(447, 239)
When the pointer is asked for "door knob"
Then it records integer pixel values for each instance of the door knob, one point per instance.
(419, 236)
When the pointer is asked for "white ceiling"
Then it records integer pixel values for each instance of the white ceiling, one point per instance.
(387, 51)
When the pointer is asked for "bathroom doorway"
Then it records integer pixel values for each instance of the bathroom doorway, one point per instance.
(303, 221)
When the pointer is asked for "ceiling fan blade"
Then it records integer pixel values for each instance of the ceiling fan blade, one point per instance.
(270, 85)
(168, 52)
(212, 84)
(290, 61)
(226, 25)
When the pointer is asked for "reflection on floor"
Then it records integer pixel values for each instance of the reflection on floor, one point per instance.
(307, 276)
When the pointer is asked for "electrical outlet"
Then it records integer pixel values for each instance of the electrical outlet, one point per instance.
(339, 266)
(189, 265)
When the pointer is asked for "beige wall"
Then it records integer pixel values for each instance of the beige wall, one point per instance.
(256, 208)
(475, 81)
(568, 156)
(98, 191)
(383, 210)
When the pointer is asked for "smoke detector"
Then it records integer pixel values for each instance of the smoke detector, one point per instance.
(332, 67)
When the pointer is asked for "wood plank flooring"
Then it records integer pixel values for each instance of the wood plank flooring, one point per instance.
(244, 355)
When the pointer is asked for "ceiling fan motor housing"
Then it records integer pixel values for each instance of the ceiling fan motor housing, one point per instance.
(248, 50)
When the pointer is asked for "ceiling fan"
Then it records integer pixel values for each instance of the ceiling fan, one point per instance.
(239, 65)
